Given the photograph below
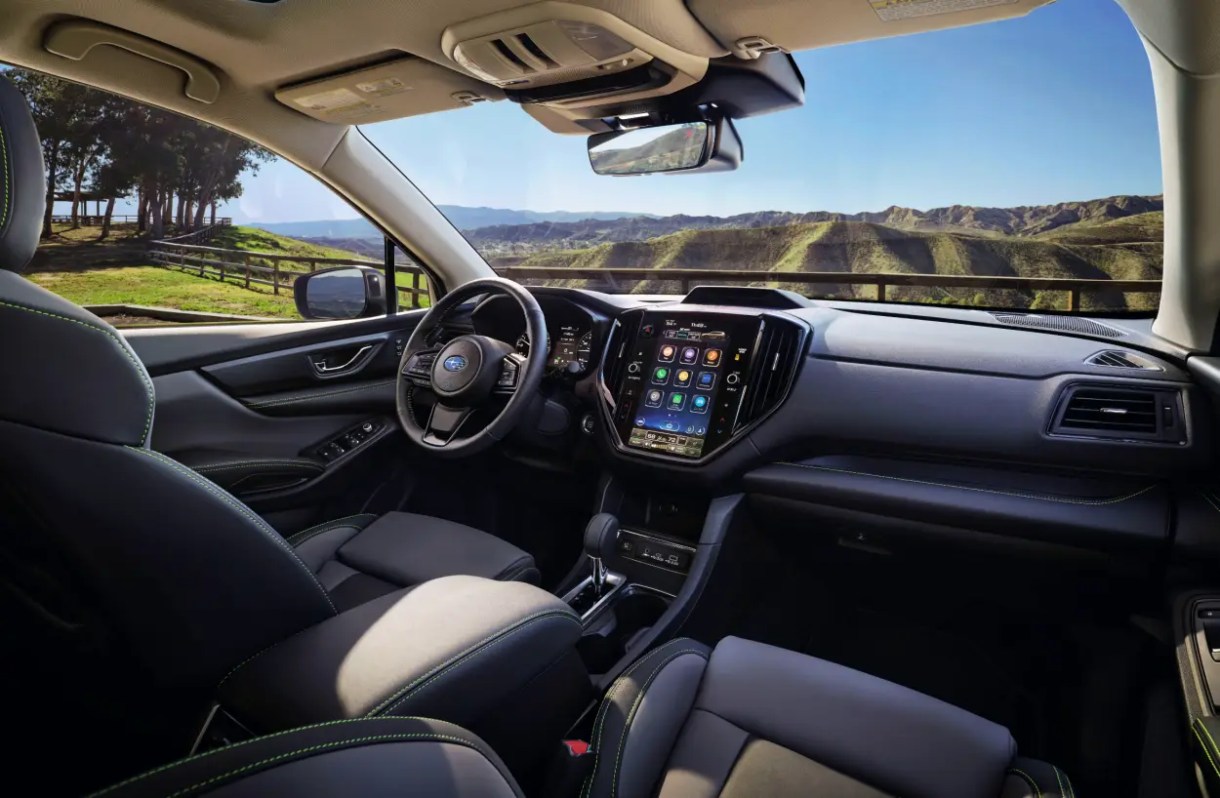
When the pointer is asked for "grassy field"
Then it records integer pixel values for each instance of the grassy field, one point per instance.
(251, 239)
(155, 286)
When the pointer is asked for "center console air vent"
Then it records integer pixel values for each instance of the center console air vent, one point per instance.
(1070, 324)
(1137, 414)
(775, 364)
(1121, 359)
(621, 337)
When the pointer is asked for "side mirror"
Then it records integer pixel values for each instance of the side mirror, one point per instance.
(345, 292)
(688, 147)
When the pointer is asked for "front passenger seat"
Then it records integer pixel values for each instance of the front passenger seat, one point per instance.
(742, 721)
(130, 584)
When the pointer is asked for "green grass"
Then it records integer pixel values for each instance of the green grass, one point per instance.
(251, 239)
(158, 287)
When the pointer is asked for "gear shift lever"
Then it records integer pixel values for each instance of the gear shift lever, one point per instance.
(600, 534)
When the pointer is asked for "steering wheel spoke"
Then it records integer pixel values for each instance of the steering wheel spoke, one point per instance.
(511, 370)
(444, 423)
(417, 369)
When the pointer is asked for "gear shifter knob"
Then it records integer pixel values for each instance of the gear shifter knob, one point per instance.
(600, 534)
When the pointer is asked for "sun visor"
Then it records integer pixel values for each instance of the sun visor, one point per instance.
(793, 25)
(392, 90)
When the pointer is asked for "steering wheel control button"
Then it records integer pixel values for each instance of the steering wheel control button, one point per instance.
(508, 375)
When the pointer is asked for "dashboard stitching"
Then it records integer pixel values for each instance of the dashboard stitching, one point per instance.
(1017, 494)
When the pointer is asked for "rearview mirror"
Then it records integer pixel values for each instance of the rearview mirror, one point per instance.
(345, 292)
(687, 147)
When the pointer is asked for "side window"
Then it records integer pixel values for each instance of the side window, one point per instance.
(157, 219)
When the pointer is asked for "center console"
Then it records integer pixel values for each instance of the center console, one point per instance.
(682, 383)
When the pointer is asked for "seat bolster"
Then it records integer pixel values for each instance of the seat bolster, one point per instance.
(891, 738)
(1029, 778)
(450, 648)
(641, 717)
(371, 757)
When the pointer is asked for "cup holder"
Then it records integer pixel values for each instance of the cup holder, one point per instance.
(610, 634)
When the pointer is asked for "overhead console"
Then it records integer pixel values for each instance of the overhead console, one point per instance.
(683, 383)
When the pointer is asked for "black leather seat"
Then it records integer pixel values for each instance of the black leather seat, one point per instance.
(742, 721)
(130, 583)
(359, 558)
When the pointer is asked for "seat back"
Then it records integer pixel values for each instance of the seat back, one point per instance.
(129, 585)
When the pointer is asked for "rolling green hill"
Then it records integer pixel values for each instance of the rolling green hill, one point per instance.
(1091, 250)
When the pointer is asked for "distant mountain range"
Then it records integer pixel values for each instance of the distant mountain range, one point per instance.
(1114, 237)
(462, 217)
(1019, 221)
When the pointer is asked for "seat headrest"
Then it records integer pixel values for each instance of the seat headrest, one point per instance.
(23, 187)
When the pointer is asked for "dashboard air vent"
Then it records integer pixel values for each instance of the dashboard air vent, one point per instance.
(771, 373)
(1121, 359)
(1125, 413)
(621, 336)
(1070, 324)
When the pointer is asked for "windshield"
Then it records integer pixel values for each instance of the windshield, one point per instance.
(917, 166)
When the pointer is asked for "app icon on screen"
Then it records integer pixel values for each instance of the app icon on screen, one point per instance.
(689, 355)
(707, 379)
(677, 400)
(682, 378)
(654, 397)
(711, 357)
(699, 404)
(660, 375)
(666, 355)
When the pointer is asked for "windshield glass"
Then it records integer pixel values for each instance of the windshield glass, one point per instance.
(1019, 149)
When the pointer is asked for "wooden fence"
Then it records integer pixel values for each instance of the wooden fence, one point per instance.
(688, 278)
(273, 270)
(95, 220)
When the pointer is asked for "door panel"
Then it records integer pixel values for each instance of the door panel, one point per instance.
(288, 417)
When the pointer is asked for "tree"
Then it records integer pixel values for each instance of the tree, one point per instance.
(177, 167)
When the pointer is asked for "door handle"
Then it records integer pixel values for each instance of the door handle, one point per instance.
(323, 369)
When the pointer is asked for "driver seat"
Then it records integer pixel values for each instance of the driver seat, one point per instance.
(130, 584)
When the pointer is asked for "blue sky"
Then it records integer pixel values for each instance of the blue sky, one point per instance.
(1055, 106)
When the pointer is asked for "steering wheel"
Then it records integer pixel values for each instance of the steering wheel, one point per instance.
(467, 372)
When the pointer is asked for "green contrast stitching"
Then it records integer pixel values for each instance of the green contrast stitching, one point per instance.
(485, 644)
(1198, 725)
(7, 188)
(242, 509)
(639, 699)
(600, 721)
(1028, 780)
(241, 744)
(122, 347)
(306, 534)
(1017, 494)
(1062, 792)
(1203, 728)
(286, 400)
(380, 738)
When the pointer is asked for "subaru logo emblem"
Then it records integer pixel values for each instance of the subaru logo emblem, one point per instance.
(455, 363)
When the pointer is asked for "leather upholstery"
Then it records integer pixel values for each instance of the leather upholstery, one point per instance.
(23, 188)
(750, 719)
(486, 639)
(372, 758)
(362, 557)
(132, 584)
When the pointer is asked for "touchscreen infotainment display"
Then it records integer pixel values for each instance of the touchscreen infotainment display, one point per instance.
(685, 380)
